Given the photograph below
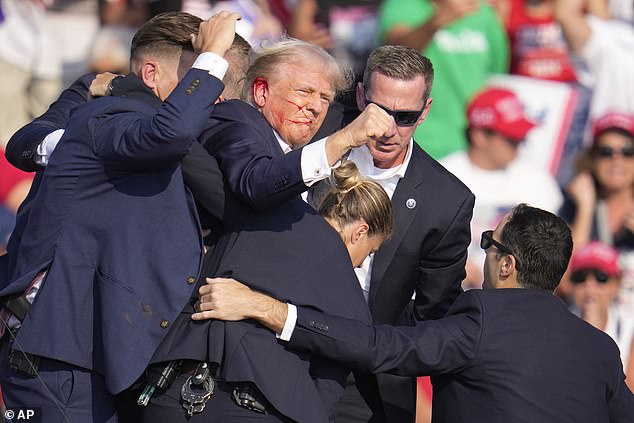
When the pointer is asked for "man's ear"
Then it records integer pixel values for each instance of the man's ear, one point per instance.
(507, 266)
(360, 96)
(150, 73)
(260, 92)
(359, 232)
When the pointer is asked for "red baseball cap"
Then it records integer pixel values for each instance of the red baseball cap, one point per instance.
(500, 110)
(613, 120)
(596, 255)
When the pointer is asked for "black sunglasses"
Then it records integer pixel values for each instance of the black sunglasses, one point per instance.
(401, 117)
(486, 241)
(605, 151)
(581, 276)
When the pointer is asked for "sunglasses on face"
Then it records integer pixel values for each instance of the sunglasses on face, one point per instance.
(608, 152)
(487, 241)
(581, 276)
(401, 117)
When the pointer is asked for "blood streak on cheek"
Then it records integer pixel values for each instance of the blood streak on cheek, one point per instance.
(303, 111)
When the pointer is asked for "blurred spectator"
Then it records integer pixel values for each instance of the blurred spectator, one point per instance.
(348, 28)
(465, 41)
(606, 47)
(539, 50)
(119, 21)
(595, 278)
(14, 186)
(30, 68)
(39, 50)
(599, 203)
(257, 24)
(497, 127)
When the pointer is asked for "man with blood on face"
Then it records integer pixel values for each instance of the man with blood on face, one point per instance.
(262, 146)
(295, 104)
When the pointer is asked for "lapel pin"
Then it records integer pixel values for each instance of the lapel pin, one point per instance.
(410, 204)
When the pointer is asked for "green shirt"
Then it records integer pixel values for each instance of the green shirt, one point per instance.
(464, 54)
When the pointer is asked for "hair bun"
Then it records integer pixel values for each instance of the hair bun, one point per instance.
(347, 176)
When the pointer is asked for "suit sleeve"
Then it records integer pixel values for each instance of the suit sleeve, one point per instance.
(442, 270)
(256, 176)
(130, 140)
(22, 146)
(430, 347)
(203, 177)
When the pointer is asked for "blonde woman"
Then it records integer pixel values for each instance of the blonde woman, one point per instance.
(291, 252)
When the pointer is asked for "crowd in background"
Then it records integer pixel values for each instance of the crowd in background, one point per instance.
(585, 46)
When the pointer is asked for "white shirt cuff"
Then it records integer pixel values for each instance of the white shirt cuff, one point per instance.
(44, 149)
(315, 163)
(212, 63)
(289, 325)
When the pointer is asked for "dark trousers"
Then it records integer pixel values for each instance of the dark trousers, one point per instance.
(220, 408)
(60, 393)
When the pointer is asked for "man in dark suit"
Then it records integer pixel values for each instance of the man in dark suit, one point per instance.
(509, 353)
(30, 148)
(426, 254)
(114, 229)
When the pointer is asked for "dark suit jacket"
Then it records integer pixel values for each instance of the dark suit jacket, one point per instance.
(426, 254)
(289, 252)
(255, 169)
(506, 355)
(20, 153)
(116, 230)
(200, 170)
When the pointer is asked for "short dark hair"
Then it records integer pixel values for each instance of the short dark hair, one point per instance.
(542, 244)
(238, 58)
(399, 62)
(165, 35)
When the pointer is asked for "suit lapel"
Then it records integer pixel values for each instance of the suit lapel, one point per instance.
(407, 202)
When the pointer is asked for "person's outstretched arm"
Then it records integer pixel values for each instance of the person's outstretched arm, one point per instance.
(429, 347)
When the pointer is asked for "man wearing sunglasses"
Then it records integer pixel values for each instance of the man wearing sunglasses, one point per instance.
(511, 352)
(427, 252)
(497, 127)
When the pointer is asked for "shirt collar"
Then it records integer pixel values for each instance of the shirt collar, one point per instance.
(364, 161)
(285, 147)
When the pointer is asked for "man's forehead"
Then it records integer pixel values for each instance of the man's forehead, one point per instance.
(306, 75)
(379, 76)
(379, 81)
